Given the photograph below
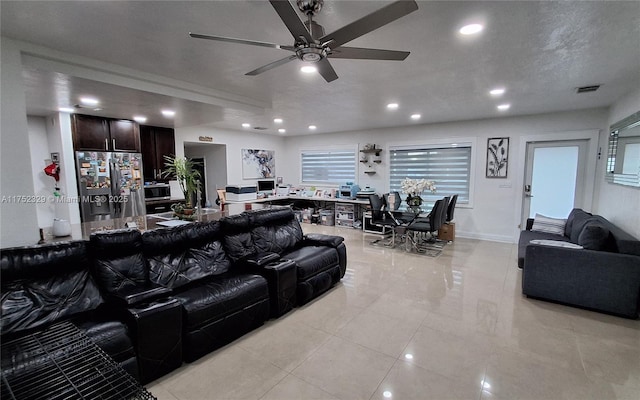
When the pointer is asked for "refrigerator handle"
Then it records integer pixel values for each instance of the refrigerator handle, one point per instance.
(113, 141)
(106, 144)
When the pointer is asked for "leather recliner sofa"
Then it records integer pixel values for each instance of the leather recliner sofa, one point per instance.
(42, 285)
(155, 299)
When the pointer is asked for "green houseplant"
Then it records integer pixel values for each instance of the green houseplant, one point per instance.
(183, 170)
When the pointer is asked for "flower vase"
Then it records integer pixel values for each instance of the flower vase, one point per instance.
(414, 203)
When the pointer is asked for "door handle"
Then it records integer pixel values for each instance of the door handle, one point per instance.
(528, 195)
(106, 144)
(113, 141)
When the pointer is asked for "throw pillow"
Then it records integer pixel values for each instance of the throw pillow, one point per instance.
(593, 236)
(546, 224)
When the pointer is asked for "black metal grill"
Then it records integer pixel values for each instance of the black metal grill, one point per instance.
(61, 362)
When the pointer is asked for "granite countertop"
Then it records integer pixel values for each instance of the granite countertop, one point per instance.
(142, 222)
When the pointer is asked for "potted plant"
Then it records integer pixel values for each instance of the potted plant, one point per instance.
(183, 170)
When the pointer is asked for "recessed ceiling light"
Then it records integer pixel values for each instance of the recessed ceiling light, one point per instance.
(66, 109)
(392, 106)
(308, 69)
(89, 101)
(504, 107)
(140, 119)
(246, 125)
(415, 116)
(313, 127)
(168, 113)
(408, 356)
(387, 394)
(471, 29)
(497, 92)
(277, 120)
(281, 130)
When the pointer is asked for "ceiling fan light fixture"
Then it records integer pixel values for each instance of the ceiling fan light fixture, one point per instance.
(308, 69)
(471, 29)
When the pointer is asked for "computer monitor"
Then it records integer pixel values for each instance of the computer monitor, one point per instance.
(266, 185)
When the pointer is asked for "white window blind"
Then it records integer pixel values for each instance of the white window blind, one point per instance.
(331, 166)
(449, 167)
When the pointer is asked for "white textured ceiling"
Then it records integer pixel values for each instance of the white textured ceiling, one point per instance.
(539, 51)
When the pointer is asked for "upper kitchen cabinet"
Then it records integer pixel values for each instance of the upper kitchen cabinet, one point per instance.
(156, 143)
(105, 134)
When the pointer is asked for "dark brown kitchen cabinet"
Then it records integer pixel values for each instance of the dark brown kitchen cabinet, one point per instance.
(105, 134)
(156, 143)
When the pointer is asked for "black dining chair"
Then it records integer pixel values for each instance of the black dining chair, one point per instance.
(428, 226)
(397, 200)
(381, 218)
(451, 208)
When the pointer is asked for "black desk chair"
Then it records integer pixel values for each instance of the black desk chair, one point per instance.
(397, 200)
(426, 226)
(381, 218)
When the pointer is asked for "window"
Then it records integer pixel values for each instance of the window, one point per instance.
(330, 166)
(449, 166)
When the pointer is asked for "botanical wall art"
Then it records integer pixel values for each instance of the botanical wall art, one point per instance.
(497, 157)
(258, 164)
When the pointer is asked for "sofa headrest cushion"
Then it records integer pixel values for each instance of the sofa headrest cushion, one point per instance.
(180, 238)
(576, 212)
(235, 224)
(43, 261)
(116, 244)
(271, 216)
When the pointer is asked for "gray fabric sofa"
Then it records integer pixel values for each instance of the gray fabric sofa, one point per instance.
(603, 276)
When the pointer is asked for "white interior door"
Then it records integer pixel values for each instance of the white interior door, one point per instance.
(554, 178)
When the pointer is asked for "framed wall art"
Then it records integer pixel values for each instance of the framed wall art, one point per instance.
(497, 157)
(257, 164)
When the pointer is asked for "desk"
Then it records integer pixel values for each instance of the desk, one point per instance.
(347, 211)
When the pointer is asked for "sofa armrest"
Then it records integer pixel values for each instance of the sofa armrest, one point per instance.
(317, 239)
(600, 280)
(529, 224)
(258, 260)
(136, 295)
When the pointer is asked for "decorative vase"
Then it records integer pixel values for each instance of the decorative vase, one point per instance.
(61, 227)
(414, 203)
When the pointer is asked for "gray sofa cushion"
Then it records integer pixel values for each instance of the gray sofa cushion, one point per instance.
(579, 221)
(527, 236)
(594, 236)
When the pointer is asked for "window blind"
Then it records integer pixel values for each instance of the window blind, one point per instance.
(449, 167)
(331, 166)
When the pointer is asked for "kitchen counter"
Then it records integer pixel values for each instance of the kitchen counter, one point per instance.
(143, 223)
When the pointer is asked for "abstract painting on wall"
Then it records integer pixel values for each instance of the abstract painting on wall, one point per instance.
(258, 164)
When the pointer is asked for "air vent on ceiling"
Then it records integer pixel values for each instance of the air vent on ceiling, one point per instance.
(587, 89)
(260, 128)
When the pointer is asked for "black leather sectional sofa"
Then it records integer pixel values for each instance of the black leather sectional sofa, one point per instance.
(156, 299)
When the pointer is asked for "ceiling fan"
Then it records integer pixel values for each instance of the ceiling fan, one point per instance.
(312, 45)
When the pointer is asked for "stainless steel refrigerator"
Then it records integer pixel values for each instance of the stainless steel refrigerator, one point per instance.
(110, 185)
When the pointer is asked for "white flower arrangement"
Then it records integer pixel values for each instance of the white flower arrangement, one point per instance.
(414, 187)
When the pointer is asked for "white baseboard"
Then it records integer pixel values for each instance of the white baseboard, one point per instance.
(491, 238)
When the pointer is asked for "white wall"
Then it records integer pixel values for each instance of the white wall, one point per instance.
(619, 204)
(43, 184)
(494, 214)
(18, 221)
(235, 141)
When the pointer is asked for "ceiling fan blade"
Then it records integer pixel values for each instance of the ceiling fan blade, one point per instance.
(289, 16)
(240, 41)
(358, 53)
(369, 23)
(326, 70)
(272, 65)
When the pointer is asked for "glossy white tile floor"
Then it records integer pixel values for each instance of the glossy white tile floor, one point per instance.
(407, 326)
